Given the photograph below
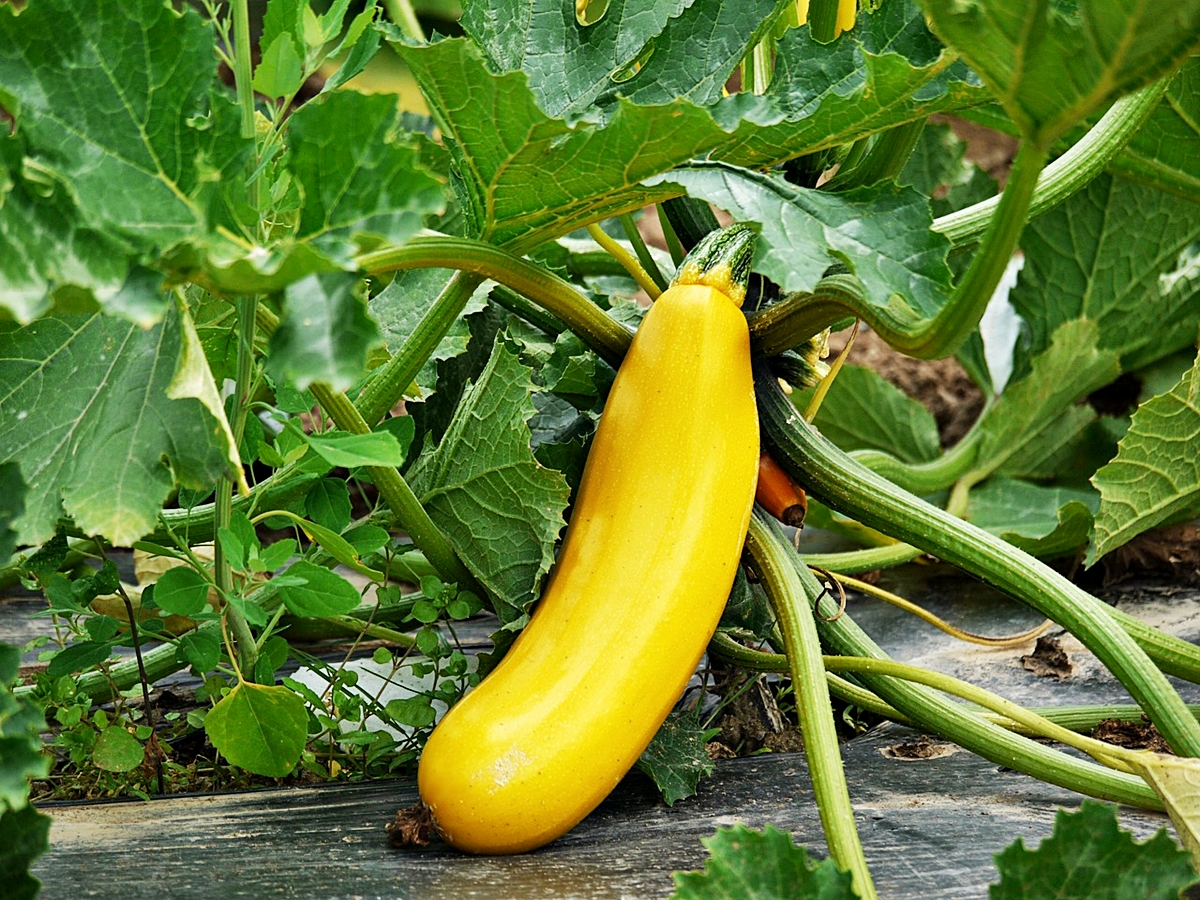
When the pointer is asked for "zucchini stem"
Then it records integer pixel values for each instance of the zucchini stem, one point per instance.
(856, 491)
(792, 598)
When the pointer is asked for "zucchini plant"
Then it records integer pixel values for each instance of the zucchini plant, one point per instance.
(311, 305)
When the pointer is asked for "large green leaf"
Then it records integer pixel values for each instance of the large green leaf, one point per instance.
(325, 333)
(761, 865)
(113, 103)
(26, 837)
(46, 247)
(522, 170)
(1043, 521)
(1123, 255)
(863, 411)
(881, 235)
(1156, 473)
(12, 505)
(94, 413)
(360, 173)
(889, 70)
(1088, 857)
(484, 489)
(1033, 409)
(1052, 62)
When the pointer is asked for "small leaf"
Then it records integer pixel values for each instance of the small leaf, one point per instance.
(281, 71)
(116, 750)
(416, 711)
(199, 649)
(181, 591)
(676, 758)
(328, 504)
(379, 448)
(1088, 857)
(77, 657)
(745, 864)
(261, 729)
(324, 593)
(1041, 520)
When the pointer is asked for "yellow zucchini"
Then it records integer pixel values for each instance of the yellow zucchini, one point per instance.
(645, 568)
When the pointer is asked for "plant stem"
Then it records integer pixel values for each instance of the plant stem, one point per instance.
(242, 73)
(771, 555)
(643, 252)
(929, 477)
(868, 559)
(822, 20)
(391, 380)
(627, 260)
(409, 512)
(856, 491)
(1071, 171)
(608, 337)
(883, 162)
(402, 13)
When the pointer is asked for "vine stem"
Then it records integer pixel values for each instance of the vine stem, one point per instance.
(242, 74)
(850, 488)
(606, 336)
(387, 386)
(771, 555)
(398, 495)
(1071, 171)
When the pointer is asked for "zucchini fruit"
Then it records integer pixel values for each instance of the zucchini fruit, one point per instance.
(646, 565)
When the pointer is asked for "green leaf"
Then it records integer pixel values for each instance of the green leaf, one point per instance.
(881, 235)
(1050, 63)
(1043, 521)
(864, 411)
(1088, 857)
(379, 448)
(1032, 409)
(26, 837)
(199, 649)
(676, 758)
(1156, 473)
(1123, 255)
(47, 248)
(745, 864)
(80, 656)
(181, 591)
(416, 711)
(889, 70)
(116, 750)
(1165, 152)
(324, 593)
(360, 173)
(280, 73)
(87, 412)
(1177, 781)
(524, 170)
(113, 101)
(261, 729)
(325, 333)
(12, 505)
(328, 503)
(695, 48)
(482, 486)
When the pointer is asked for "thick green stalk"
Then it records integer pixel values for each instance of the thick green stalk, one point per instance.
(868, 559)
(605, 335)
(1071, 171)
(772, 554)
(883, 162)
(409, 512)
(854, 490)
(960, 315)
(391, 380)
(822, 20)
(242, 75)
(929, 477)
